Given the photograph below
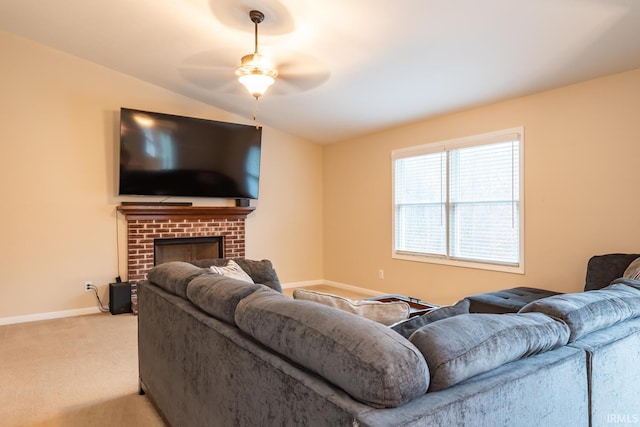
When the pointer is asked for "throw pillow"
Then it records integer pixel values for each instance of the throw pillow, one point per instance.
(409, 326)
(233, 270)
(633, 271)
(386, 313)
(463, 346)
(590, 311)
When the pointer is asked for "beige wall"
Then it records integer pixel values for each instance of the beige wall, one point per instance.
(582, 148)
(57, 148)
(324, 211)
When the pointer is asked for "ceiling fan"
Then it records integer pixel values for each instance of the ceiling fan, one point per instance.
(256, 71)
(295, 71)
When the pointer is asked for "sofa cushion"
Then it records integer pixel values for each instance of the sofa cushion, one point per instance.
(506, 300)
(386, 313)
(587, 312)
(260, 271)
(634, 283)
(367, 360)
(409, 326)
(174, 276)
(219, 295)
(463, 346)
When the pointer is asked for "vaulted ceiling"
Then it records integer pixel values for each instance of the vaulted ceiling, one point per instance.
(347, 67)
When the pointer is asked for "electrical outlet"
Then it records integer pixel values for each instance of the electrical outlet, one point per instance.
(380, 274)
(88, 286)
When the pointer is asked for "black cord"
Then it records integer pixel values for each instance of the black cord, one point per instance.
(117, 245)
(100, 305)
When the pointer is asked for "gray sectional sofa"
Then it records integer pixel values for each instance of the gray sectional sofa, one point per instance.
(216, 351)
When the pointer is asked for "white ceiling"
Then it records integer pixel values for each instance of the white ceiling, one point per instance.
(348, 67)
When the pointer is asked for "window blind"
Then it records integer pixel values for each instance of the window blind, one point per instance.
(484, 203)
(460, 200)
(420, 204)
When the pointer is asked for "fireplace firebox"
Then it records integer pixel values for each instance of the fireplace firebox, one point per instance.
(187, 249)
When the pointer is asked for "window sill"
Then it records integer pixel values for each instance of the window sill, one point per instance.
(519, 269)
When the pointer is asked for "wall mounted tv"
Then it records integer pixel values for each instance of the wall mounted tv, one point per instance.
(168, 155)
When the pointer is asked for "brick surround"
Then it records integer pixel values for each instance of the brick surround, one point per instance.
(146, 223)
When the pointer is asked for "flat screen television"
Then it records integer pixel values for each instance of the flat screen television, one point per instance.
(168, 155)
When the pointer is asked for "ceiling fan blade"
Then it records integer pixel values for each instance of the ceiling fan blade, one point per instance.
(212, 70)
(300, 72)
(210, 80)
(290, 85)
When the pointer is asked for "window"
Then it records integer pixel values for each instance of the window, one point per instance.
(460, 202)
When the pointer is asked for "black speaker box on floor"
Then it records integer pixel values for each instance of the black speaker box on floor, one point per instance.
(120, 298)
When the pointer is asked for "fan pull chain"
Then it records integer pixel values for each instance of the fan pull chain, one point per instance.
(255, 112)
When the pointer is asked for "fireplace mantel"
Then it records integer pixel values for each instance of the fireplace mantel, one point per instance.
(172, 212)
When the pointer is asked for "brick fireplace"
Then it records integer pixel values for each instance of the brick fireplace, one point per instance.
(146, 224)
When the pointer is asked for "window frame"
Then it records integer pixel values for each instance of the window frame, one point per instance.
(453, 144)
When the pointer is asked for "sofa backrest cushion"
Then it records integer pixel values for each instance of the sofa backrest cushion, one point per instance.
(261, 271)
(586, 312)
(386, 313)
(409, 326)
(219, 295)
(174, 276)
(366, 359)
(463, 346)
(603, 269)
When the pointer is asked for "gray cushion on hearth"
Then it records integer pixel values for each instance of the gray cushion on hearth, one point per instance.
(463, 346)
(260, 271)
(219, 295)
(590, 311)
(368, 360)
(174, 276)
(409, 326)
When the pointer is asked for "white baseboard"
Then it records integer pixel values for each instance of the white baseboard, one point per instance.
(334, 284)
(93, 310)
(48, 316)
(301, 284)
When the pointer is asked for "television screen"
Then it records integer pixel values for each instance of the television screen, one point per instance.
(168, 155)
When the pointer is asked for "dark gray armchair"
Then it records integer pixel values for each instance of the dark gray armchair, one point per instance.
(603, 269)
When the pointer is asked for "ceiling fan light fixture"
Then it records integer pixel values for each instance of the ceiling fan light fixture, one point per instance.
(256, 71)
(256, 83)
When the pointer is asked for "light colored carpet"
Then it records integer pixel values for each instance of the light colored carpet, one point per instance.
(76, 371)
(79, 372)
